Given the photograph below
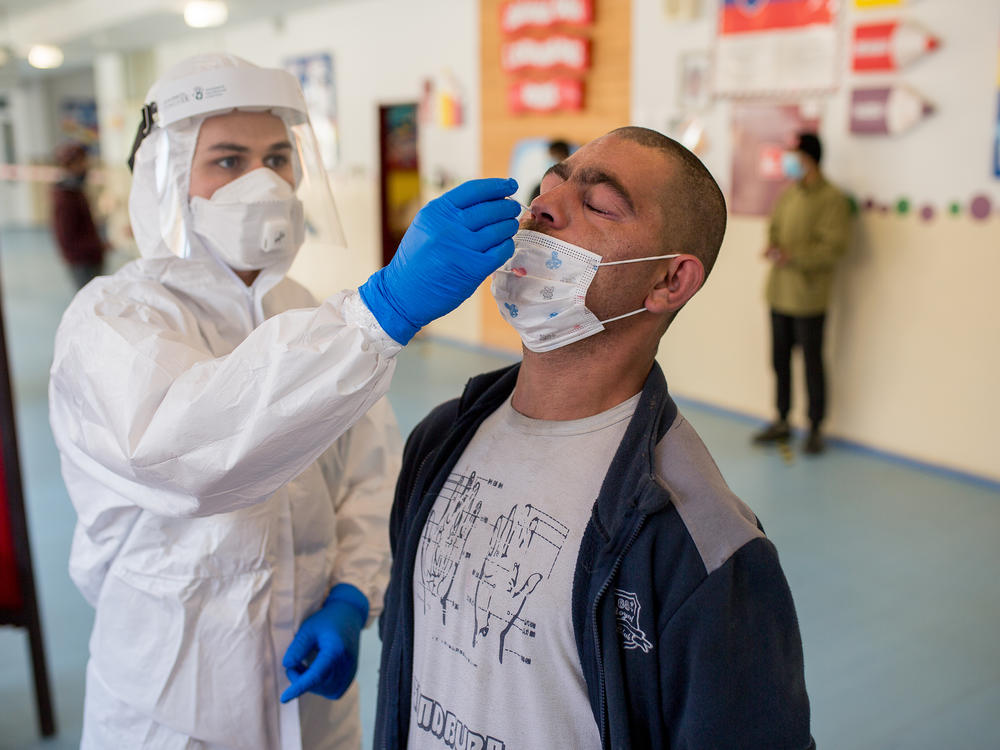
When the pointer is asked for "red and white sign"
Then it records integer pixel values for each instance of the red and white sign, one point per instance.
(770, 162)
(884, 47)
(525, 14)
(554, 95)
(559, 51)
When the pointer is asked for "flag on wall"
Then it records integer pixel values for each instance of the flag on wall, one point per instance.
(740, 16)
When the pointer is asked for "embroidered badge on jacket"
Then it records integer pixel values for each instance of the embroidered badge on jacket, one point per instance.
(627, 609)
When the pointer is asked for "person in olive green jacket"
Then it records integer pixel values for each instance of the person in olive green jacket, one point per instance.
(809, 231)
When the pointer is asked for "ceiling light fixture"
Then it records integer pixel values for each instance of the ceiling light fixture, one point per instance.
(45, 56)
(204, 14)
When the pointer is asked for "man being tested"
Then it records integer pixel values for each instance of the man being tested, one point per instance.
(570, 569)
(223, 437)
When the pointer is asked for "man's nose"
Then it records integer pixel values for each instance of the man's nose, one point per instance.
(550, 208)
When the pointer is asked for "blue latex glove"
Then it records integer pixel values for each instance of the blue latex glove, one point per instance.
(454, 243)
(333, 634)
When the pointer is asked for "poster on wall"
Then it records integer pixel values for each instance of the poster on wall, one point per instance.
(775, 47)
(517, 15)
(694, 94)
(556, 51)
(78, 122)
(996, 131)
(761, 132)
(555, 95)
(315, 74)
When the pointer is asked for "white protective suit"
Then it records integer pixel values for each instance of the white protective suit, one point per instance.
(230, 458)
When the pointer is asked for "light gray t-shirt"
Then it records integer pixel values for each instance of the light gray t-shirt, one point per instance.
(495, 663)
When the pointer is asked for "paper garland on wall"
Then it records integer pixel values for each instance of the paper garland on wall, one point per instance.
(980, 207)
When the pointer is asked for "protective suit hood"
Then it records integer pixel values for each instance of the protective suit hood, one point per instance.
(176, 107)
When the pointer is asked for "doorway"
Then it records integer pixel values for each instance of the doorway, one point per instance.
(399, 173)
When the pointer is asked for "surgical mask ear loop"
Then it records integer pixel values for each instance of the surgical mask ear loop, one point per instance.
(633, 260)
(626, 315)
(639, 260)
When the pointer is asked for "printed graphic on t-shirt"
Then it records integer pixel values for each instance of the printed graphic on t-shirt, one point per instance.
(492, 581)
(433, 718)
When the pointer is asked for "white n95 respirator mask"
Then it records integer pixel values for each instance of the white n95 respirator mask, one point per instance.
(541, 291)
(251, 223)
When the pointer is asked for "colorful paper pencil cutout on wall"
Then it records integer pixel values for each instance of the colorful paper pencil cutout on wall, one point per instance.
(887, 110)
(887, 47)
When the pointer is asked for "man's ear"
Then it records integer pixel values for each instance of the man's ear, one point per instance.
(685, 275)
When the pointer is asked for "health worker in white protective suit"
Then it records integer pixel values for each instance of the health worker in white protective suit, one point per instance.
(224, 438)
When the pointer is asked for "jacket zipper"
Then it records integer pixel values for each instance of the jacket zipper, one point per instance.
(417, 484)
(597, 642)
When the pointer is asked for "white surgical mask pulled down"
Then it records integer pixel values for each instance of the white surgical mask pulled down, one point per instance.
(251, 223)
(541, 291)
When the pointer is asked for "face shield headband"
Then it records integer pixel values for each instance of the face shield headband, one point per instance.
(220, 90)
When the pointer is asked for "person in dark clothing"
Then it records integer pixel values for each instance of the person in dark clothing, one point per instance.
(80, 244)
(570, 568)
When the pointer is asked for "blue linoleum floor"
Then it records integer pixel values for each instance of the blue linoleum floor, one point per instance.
(895, 570)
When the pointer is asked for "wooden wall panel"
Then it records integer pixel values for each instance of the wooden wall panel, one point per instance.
(607, 102)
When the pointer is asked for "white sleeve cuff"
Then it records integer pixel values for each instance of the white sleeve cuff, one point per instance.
(356, 313)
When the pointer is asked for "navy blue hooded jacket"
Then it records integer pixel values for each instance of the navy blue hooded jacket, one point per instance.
(684, 621)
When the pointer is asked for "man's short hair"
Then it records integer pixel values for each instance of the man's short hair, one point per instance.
(694, 208)
(809, 144)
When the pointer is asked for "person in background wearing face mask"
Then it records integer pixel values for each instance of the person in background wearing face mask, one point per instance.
(73, 227)
(224, 437)
(808, 232)
(569, 567)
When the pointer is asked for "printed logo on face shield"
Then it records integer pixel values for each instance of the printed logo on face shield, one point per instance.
(512, 309)
(553, 263)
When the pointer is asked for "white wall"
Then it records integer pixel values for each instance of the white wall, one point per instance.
(914, 334)
(382, 51)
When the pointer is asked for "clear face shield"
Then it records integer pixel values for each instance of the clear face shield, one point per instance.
(206, 141)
